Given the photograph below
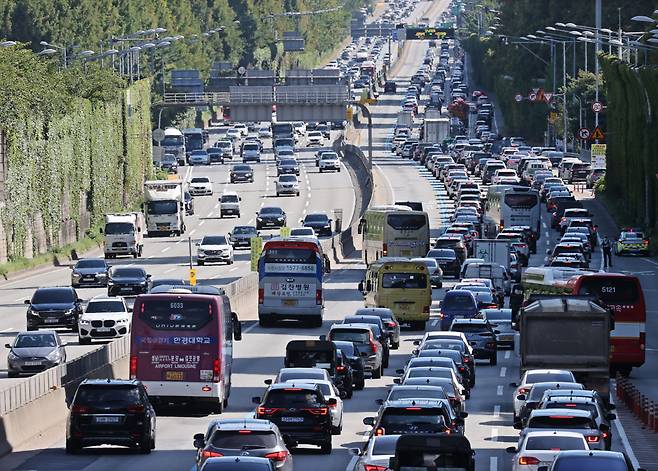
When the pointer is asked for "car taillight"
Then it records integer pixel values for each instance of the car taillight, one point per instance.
(216, 370)
(643, 336)
(318, 411)
(524, 390)
(391, 324)
(384, 249)
(261, 295)
(260, 410)
(528, 460)
(374, 467)
(318, 297)
(373, 345)
(379, 431)
(522, 246)
(136, 409)
(277, 455)
(133, 366)
(467, 360)
(210, 454)
(77, 409)
(340, 368)
(592, 438)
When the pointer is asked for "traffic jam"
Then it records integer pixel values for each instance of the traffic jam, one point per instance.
(517, 268)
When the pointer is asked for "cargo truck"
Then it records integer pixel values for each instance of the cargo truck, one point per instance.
(435, 130)
(124, 234)
(164, 206)
(493, 251)
(568, 333)
(405, 119)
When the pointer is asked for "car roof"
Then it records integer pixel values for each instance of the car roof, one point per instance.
(110, 382)
(241, 424)
(560, 411)
(350, 326)
(603, 453)
(302, 369)
(104, 297)
(552, 433)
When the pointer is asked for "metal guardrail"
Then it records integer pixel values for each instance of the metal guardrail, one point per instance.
(205, 98)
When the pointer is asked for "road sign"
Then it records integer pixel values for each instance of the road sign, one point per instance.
(598, 152)
(548, 97)
(518, 97)
(284, 231)
(416, 32)
(598, 149)
(256, 245)
(533, 96)
(158, 135)
(597, 134)
(535, 90)
(583, 134)
(192, 276)
(597, 107)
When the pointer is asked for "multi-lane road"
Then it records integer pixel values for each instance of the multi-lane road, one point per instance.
(260, 354)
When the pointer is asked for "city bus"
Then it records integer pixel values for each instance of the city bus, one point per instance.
(290, 276)
(402, 286)
(193, 139)
(620, 293)
(512, 205)
(181, 348)
(623, 295)
(282, 130)
(394, 231)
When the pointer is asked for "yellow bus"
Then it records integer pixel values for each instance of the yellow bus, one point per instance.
(394, 231)
(402, 286)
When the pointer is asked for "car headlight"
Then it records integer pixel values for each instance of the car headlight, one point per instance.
(259, 218)
(123, 321)
(75, 274)
(53, 356)
(280, 218)
(247, 174)
(68, 312)
(12, 356)
(201, 252)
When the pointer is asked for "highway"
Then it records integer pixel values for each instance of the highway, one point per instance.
(260, 354)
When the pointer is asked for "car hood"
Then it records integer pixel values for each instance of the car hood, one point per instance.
(40, 352)
(214, 247)
(101, 316)
(127, 279)
(52, 306)
(89, 271)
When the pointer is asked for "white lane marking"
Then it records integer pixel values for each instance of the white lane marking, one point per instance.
(37, 275)
(7, 330)
(307, 203)
(209, 214)
(217, 206)
(499, 391)
(200, 224)
(508, 354)
(251, 221)
(192, 231)
(503, 371)
(493, 463)
(166, 249)
(151, 256)
(388, 181)
(548, 234)
(494, 434)
(434, 322)
(19, 299)
(543, 224)
(170, 269)
(234, 268)
(251, 327)
(496, 411)
(622, 433)
(650, 261)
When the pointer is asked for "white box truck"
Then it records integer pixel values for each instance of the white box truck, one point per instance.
(164, 206)
(405, 119)
(436, 130)
(493, 251)
(124, 234)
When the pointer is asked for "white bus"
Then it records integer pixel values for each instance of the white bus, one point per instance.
(512, 205)
(394, 231)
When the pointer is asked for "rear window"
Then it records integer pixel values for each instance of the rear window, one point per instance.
(555, 443)
(357, 336)
(422, 372)
(102, 396)
(521, 201)
(591, 463)
(458, 302)
(589, 407)
(408, 222)
(612, 290)
(243, 439)
(175, 314)
(532, 378)
(422, 419)
(561, 422)
(290, 255)
(404, 280)
(470, 328)
(416, 393)
(293, 398)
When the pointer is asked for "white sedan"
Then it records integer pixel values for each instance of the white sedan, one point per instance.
(315, 138)
(200, 186)
(540, 448)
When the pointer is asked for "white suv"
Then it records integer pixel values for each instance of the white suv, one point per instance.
(329, 161)
(214, 248)
(104, 318)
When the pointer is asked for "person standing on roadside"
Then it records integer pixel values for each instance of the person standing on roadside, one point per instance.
(606, 248)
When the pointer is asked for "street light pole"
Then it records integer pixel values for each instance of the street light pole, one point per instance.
(564, 93)
(597, 48)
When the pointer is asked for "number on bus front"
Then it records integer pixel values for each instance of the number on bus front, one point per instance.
(608, 289)
(176, 305)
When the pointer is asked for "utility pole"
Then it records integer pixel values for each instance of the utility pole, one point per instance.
(564, 94)
(597, 48)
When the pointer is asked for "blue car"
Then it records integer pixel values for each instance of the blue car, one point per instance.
(460, 304)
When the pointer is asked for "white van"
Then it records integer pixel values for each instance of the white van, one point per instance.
(229, 203)
(493, 271)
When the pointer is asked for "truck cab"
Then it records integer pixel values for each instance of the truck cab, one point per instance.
(164, 207)
(124, 234)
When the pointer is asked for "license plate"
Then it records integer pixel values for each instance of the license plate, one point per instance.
(292, 419)
(174, 376)
(126, 288)
(51, 320)
(103, 329)
(103, 419)
(290, 302)
(32, 363)
(506, 337)
(403, 307)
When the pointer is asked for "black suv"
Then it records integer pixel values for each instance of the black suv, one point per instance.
(111, 412)
(300, 411)
(353, 356)
(407, 416)
(480, 335)
(54, 307)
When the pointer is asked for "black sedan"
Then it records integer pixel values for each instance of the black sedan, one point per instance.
(128, 280)
(320, 223)
(270, 216)
(287, 167)
(242, 173)
(54, 307)
(89, 272)
(241, 236)
(447, 260)
(216, 155)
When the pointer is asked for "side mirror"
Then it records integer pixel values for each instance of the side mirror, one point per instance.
(380, 401)
(397, 380)
(415, 352)
(256, 400)
(369, 421)
(199, 440)
(518, 425)
(463, 414)
(139, 229)
(323, 337)
(268, 381)
(237, 327)
(417, 342)
(332, 401)
(27, 301)
(459, 421)
(604, 428)
(510, 449)
(7, 345)
(611, 416)
(355, 451)
(520, 397)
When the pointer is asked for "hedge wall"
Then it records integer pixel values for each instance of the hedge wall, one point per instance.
(632, 158)
(62, 173)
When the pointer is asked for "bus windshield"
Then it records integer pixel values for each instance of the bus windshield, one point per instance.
(521, 201)
(175, 314)
(406, 221)
(404, 280)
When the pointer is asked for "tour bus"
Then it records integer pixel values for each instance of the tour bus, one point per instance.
(282, 130)
(512, 205)
(193, 139)
(623, 295)
(400, 285)
(181, 347)
(394, 231)
(290, 276)
(620, 293)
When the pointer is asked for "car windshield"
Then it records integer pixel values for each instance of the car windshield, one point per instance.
(414, 419)
(287, 178)
(347, 348)
(103, 396)
(242, 168)
(404, 280)
(200, 180)
(117, 228)
(90, 264)
(357, 336)
(293, 398)
(316, 218)
(214, 240)
(35, 340)
(243, 439)
(271, 211)
(128, 272)
(244, 230)
(105, 306)
(538, 377)
(458, 302)
(230, 198)
(63, 296)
